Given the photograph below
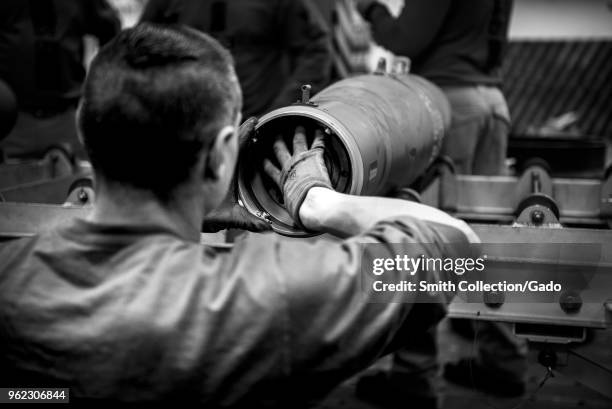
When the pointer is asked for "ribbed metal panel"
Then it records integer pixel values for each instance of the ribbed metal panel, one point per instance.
(546, 79)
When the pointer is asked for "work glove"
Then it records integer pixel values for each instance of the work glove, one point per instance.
(300, 171)
(229, 214)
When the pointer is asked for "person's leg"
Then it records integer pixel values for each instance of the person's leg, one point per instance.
(501, 358)
(469, 113)
(500, 364)
(413, 377)
(418, 363)
(500, 349)
(490, 153)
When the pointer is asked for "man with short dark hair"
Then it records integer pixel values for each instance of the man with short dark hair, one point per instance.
(160, 144)
(128, 306)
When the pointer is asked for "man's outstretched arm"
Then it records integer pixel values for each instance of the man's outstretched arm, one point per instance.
(313, 203)
(344, 215)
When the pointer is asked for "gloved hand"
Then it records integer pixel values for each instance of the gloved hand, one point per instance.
(229, 214)
(299, 172)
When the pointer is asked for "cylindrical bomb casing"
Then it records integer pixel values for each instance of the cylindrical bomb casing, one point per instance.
(383, 131)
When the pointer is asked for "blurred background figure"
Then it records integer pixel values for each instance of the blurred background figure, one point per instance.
(277, 46)
(41, 59)
(459, 46)
(129, 11)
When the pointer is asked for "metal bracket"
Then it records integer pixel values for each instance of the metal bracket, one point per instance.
(534, 179)
(401, 65)
(381, 67)
(305, 100)
(538, 210)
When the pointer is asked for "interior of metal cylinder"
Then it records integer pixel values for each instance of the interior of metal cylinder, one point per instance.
(259, 192)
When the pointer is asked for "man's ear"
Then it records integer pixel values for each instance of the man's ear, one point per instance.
(221, 155)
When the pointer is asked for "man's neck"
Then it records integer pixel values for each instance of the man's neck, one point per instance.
(129, 207)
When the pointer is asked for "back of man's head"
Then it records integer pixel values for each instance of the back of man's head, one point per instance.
(154, 99)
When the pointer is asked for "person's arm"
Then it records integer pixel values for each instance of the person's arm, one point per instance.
(311, 201)
(102, 20)
(307, 42)
(413, 31)
(342, 215)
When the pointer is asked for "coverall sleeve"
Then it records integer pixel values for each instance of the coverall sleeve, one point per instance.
(413, 31)
(338, 327)
(308, 43)
(102, 20)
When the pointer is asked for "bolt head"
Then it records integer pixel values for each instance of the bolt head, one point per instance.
(82, 196)
(570, 302)
(494, 299)
(537, 217)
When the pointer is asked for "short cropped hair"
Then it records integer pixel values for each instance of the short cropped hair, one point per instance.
(154, 98)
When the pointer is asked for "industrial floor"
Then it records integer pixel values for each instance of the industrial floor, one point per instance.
(557, 393)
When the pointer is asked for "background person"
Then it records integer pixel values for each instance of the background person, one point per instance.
(459, 46)
(278, 46)
(41, 59)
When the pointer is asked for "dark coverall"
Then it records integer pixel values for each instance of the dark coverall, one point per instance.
(277, 45)
(459, 46)
(41, 59)
(134, 313)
